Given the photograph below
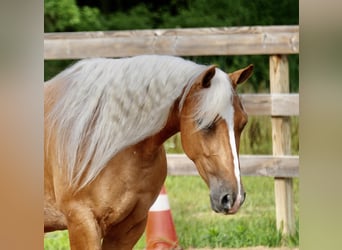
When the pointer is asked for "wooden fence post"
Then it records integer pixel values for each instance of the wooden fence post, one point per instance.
(281, 141)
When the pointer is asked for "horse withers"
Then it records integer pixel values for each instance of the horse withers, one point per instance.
(105, 124)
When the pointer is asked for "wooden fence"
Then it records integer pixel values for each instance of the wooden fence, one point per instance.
(275, 41)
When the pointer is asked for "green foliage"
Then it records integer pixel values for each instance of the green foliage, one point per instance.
(257, 136)
(60, 15)
(52, 68)
(58, 240)
(63, 14)
(90, 19)
(138, 17)
(66, 15)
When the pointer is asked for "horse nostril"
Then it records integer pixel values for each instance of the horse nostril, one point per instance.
(227, 202)
(224, 200)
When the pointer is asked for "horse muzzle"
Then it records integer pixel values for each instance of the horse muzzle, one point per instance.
(226, 202)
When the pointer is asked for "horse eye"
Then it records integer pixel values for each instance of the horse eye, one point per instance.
(206, 128)
(199, 122)
(210, 126)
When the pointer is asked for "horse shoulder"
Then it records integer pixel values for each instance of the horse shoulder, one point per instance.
(127, 186)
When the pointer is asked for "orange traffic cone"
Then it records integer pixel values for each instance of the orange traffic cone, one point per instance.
(160, 230)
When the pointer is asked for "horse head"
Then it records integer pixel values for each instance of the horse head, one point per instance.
(211, 122)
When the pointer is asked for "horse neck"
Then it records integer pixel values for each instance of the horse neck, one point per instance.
(171, 127)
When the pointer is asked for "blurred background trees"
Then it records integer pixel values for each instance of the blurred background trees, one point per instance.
(85, 15)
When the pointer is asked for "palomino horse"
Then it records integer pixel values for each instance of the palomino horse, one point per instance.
(105, 124)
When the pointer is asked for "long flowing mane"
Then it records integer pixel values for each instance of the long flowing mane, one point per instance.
(104, 105)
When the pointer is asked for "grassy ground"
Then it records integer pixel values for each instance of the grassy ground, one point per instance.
(198, 226)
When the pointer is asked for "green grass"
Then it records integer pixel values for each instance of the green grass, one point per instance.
(198, 226)
(57, 240)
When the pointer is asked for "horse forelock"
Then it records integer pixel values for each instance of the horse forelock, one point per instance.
(105, 105)
(213, 102)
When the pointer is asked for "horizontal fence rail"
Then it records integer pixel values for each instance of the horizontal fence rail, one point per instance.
(251, 165)
(251, 40)
(271, 104)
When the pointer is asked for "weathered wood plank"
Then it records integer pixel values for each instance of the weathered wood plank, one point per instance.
(183, 42)
(271, 104)
(281, 144)
(251, 165)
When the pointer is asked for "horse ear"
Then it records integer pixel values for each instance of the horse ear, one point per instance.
(241, 75)
(207, 76)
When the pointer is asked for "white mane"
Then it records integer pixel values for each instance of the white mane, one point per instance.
(109, 104)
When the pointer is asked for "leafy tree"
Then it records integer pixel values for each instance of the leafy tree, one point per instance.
(66, 15)
(60, 15)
